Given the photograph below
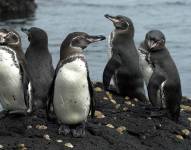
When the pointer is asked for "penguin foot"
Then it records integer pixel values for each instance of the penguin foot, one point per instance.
(152, 108)
(159, 113)
(64, 130)
(79, 131)
(155, 111)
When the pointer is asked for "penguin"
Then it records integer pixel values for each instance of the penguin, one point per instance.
(161, 74)
(39, 63)
(16, 90)
(123, 65)
(71, 92)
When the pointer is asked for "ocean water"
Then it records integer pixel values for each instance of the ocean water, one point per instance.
(60, 17)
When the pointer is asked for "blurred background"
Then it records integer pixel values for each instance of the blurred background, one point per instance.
(60, 17)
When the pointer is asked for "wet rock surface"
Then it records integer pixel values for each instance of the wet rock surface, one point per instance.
(126, 126)
(12, 9)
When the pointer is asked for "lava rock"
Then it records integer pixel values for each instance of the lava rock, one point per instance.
(133, 129)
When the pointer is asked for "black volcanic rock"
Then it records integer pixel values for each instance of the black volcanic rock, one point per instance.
(121, 124)
(12, 9)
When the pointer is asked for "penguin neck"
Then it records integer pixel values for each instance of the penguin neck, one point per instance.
(39, 46)
(124, 40)
(65, 53)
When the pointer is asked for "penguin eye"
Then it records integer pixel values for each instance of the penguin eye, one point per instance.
(79, 38)
(14, 37)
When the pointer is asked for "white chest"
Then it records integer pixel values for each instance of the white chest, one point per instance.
(71, 94)
(110, 45)
(146, 68)
(11, 92)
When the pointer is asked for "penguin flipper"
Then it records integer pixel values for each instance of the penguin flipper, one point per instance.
(154, 85)
(51, 92)
(92, 102)
(27, 87)
(172, 98)
(26, 80)
(110, 68)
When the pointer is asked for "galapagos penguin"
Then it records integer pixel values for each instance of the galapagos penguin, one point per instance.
(39, 63)
(16, 90)
(72, 92)
(161, 74)
(123, 65)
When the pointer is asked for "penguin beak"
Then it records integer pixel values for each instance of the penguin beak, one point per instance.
(152, 44)
(25, 30)
(112, 18)
(97, 38)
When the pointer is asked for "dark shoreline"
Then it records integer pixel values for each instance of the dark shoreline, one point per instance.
(14, 9)
(124, 125)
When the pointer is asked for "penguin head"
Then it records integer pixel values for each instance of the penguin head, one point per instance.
(122, 24)
(155, 40)
(80, 40)
(77, 41)
(10, 38)
(36, 36)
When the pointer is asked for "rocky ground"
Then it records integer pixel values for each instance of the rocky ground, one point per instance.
(11, 9)
(120, 124)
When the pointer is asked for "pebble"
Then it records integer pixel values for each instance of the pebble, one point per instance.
(47, 137)
(29, 127)
(109, 95)
(179, 137)
(121, 129)
(136, 100)
(59, 141)
(113, 101)
(126, 98)
(69, 145)
(115, 118)
(149, 118)
(41, 127)
(125, 109)
(133, 105)
(98, 89)
(110, 126)
(1, 146)
(185, 132)
(105, 98)
(189, 119)
(186, 108)
(117, 106)
(22, 147)
(128, 103)
(99, 114)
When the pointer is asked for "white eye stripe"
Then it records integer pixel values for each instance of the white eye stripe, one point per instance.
(75, 47)
(77, 37)
(128, 23)
(13, 34)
